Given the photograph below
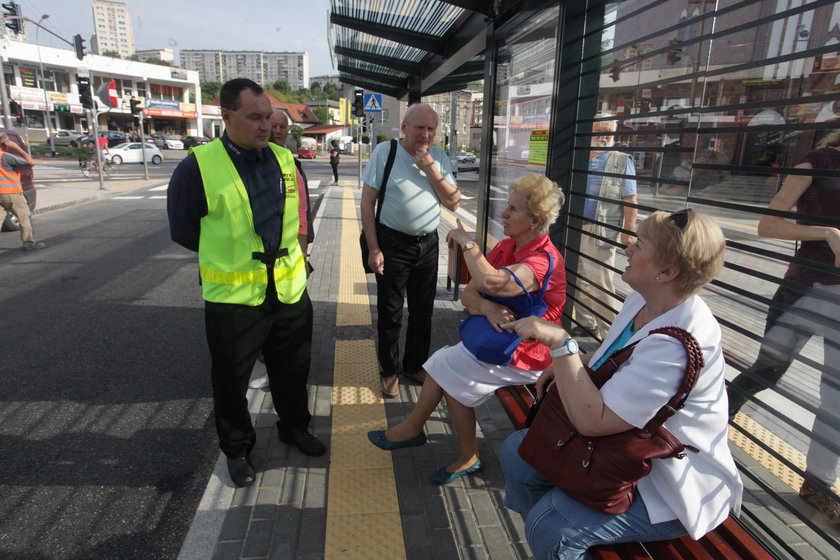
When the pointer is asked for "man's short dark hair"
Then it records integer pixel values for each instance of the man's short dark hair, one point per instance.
(229, 96)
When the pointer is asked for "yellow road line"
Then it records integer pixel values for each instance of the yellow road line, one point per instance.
(363, 514)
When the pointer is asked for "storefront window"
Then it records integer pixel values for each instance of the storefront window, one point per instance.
(522, 109)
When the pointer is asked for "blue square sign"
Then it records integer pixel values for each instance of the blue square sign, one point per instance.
(373, 103)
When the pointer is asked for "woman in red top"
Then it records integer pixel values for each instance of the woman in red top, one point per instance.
(454, 374)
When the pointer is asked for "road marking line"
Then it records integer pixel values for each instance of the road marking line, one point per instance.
(160, 187)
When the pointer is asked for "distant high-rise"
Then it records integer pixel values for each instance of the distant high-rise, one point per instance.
(112, 28)
(265, 68)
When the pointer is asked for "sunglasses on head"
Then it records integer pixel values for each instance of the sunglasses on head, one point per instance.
(680, 218)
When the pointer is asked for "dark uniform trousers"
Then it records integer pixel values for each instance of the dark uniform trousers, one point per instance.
(411, 267)
(235, 335)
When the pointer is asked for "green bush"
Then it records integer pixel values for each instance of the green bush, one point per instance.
(43, 150)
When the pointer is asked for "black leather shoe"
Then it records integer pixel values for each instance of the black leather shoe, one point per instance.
(241, 471)
(303, 440)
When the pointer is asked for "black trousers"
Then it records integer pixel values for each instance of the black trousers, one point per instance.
(335, 171)
(235, 335)
(411, 267)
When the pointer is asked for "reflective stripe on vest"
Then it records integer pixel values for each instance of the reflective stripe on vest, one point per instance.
(9, 182)
(229, 273)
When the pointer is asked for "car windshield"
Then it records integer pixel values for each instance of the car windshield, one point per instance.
(123, 146)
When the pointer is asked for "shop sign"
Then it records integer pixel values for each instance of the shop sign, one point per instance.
(26, 94)
(152, 112)
(28, 77)
(163, 104)
(538, 148)
(188, 107)
(60, 98)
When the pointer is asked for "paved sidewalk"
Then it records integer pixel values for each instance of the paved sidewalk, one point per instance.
(284, 515)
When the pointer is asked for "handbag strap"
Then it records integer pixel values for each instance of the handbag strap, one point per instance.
(694, 363)
(388, 165)
(547, 276)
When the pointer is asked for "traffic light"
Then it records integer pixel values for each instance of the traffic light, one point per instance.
(16, 111)
(135, 106)
(615, 74)
(359, 103)
(12, 9)
(79, 43)
(673, 55)
(84, 92)
(61, 108)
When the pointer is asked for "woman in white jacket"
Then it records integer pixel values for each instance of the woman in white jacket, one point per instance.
(674, 257)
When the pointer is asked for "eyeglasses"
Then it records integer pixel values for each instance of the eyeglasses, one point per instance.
(680, 218)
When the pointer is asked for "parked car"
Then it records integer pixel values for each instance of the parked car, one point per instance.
(171, 143)
(114, 137)
(465, 157)
(132, 152)
(66, 138)
(306, 152)
(10, 222)
(190, 141)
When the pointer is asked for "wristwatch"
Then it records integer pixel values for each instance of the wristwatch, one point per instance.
(570, 347)
(468, 246)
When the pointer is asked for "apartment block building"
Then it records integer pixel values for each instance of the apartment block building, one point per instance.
(262, 67)
(112, 28)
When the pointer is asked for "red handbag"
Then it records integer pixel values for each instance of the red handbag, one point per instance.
(601, 471)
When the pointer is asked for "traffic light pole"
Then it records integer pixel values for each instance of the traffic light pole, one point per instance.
(143, 146)
(7, 119)
(93, 117)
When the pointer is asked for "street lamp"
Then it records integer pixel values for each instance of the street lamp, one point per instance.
(44, 86)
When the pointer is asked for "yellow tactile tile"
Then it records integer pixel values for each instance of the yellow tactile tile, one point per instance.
(357, 419)
(373, 537)
(764, 458)
(363, 517)
(354, 452)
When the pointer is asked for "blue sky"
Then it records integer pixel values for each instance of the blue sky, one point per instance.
(269, 25)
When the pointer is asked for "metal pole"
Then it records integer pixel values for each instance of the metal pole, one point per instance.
(453, 123)
(47, 124)
(94, 117)
(143, 146)
(359, 137)
(7, 117)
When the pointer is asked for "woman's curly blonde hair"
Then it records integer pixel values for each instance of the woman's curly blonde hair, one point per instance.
(544, 198)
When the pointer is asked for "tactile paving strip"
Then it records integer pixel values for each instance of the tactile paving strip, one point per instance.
(764, 458)
(363, 515)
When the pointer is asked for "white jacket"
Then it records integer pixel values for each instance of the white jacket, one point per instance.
(700, 489)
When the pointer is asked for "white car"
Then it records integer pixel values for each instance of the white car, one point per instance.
(171, 143)
(465, 157)
(131, 152)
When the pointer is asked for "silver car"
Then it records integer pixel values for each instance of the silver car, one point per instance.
(66, 138)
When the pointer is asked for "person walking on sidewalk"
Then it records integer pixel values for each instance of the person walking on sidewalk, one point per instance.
(404, 244)
(235, 201)
(594, 313)
(335, 157)
(11, 189)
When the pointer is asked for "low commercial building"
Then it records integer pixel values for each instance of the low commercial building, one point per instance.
(43, 80)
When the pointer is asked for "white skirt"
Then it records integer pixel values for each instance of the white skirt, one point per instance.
(470, 381)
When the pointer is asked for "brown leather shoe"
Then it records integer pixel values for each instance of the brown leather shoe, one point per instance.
(390, 386)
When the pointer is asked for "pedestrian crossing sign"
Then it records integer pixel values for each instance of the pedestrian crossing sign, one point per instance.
(373, 103)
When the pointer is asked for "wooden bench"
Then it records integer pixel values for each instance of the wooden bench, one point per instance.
(729, 541)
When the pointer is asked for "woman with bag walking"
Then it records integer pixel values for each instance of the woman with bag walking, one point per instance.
(675, 255)
(525, 260)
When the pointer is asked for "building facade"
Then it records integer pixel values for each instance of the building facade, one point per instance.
(167, 94)
(263, 67)
(167, 55)
(113, 31)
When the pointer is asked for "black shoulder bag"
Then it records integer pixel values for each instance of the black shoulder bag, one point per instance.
(362, 241)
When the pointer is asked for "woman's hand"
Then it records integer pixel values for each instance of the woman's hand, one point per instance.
(546, 377)
(458, 235)
(533, 328)
(498, 315)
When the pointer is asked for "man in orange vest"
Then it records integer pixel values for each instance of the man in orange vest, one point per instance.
(11, 190)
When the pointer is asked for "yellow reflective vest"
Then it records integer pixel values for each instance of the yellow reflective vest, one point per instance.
(228, 241)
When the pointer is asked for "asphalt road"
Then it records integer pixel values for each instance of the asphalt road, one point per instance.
(105, 402)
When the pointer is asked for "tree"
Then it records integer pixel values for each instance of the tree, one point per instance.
(112, 54)
(381, 138)
(158, 61)
(297, 132)
(333, 91)
(282, 86)
(323, 114)
(210, 92)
